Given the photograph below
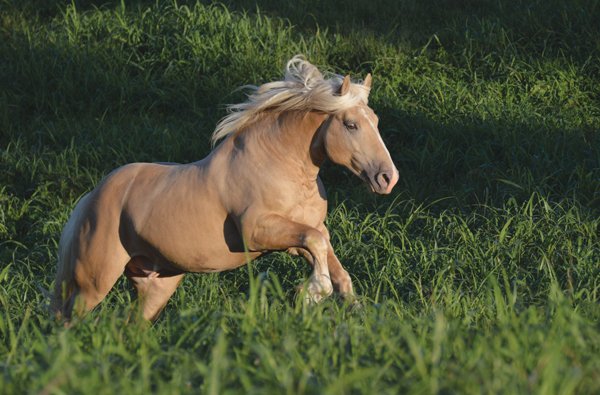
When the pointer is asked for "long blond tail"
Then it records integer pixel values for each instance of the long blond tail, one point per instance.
(64, 285)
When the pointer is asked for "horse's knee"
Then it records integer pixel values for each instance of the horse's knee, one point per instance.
(316, 243)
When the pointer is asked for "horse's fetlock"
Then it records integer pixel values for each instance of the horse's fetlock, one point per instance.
(321, 286)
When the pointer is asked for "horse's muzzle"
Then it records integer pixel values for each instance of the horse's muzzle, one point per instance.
(383, 181)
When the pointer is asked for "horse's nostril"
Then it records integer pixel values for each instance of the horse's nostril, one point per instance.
(386, 178)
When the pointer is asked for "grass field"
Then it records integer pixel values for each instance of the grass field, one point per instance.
(479, 274)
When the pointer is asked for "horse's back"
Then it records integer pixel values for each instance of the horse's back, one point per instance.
(117, 185)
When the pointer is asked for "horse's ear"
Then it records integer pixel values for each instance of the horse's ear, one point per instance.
(345, 86)
(368, 80)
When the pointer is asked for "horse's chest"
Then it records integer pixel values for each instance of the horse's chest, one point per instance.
(308, 207)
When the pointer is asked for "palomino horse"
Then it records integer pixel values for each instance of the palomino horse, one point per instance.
(258, 191)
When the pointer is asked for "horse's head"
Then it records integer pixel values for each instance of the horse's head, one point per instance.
(351, 139)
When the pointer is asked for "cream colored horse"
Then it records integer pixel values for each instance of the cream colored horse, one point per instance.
(258, 191)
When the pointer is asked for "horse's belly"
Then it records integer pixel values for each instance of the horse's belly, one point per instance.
(188, 245)
(223, 260)
(189, 254)
(191, 239)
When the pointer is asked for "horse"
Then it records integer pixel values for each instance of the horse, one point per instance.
(258, 191)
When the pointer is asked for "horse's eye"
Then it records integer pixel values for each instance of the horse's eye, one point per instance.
(350, 125)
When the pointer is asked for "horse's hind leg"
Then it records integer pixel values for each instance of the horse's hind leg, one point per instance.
(94, 278)
(154, 289)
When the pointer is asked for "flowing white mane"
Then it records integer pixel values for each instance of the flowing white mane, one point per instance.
(304, 88)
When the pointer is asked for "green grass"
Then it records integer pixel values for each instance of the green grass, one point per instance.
(480, 274)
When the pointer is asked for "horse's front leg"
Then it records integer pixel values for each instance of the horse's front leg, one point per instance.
(273, 232)
(342, 283)
(339, 276)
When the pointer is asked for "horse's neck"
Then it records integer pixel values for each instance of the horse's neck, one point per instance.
(290, 139)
